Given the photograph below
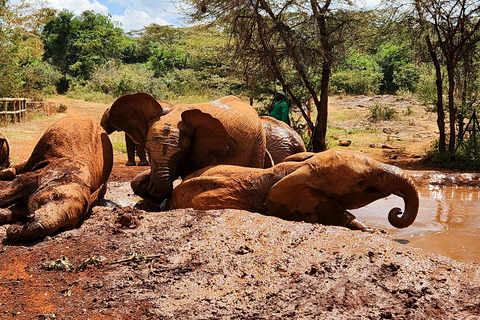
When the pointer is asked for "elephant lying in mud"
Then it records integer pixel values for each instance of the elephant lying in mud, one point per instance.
(319, 189)
(56, 187)
(188, 137)
(282, 140)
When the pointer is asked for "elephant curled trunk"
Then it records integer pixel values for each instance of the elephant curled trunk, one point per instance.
(404, 188)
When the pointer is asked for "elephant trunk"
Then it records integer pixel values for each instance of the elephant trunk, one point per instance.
(403, 187)
(166, 160)
(161, 181)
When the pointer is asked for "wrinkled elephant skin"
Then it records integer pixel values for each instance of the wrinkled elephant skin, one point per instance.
(282, 141)
(6, 173)
(320, 189)
(188, 137)
(56, 187)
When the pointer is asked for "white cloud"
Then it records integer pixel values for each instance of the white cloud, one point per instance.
(78, 6)
(135, 19)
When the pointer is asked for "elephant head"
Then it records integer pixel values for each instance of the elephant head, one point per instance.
(312, 187)
(188, 137)
(342, 180)
(55, 188)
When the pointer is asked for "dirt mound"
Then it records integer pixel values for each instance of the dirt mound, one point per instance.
(228, 264)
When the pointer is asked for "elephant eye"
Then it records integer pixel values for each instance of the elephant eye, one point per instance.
(361, 182)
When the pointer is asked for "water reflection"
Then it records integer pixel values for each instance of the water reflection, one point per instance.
(448, 221)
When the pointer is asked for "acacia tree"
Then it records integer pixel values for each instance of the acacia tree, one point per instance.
(452, 32)
(291, 41)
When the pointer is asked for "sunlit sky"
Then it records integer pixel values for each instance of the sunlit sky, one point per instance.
(134, 15)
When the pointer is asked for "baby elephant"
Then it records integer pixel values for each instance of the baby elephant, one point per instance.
(56, 187)
(316, 188)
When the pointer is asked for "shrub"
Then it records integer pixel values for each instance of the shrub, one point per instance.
(378, 113)
(360, 75)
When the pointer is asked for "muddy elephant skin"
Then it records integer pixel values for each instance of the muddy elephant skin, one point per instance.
(188, 137)
(129, 144)
(56, 187)
(282, 141)
(319, 189)
(4, 152)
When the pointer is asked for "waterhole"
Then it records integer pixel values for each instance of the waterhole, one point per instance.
(448, 221)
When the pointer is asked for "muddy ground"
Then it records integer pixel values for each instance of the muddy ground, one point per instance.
(126, 263)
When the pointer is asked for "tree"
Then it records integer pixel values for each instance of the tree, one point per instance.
(452, 32)
(77, 45)
(20, 43)
(292, 42)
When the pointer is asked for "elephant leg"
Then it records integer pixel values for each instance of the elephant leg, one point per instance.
(130, 151)
(19, 189)
(5, 215)
(7, 174)
(142, 155)
(354, 224)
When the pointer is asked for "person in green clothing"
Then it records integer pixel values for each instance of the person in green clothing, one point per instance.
(279, 108)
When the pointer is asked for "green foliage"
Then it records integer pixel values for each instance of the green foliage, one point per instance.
(397, 67)
(79, 45)
(378, 113)
(360, 74)
(116, 79)
(163, 60)
(39, 78)
(466, 157)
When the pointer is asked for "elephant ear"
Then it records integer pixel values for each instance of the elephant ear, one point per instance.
(294, 197)
(299, 157)
(133, 114)
(206, 136)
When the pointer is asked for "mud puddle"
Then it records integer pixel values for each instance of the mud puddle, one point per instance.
(448, 221)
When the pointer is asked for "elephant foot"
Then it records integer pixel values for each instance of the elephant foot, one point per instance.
(359, 225)
(130, 163)
(143, 163)
(5, 215)
(7, 174)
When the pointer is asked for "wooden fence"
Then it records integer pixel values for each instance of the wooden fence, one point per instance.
(15, 108)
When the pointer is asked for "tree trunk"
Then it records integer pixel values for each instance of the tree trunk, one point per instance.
(451, 107)
(439, 104)
(319, 138)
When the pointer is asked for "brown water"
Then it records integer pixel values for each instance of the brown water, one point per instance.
(448, 221)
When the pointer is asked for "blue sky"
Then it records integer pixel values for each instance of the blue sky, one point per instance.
(131, 14)
(136, 14)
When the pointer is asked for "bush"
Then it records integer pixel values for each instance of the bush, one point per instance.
(40, 78)
(379, 113)
(360, 75)
(466, 157)
(118, 79)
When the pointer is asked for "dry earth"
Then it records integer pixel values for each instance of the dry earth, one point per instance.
(125, 263)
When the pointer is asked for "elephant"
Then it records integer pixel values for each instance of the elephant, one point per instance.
(4, 152)
(131, 146)
(62, 179)
(282, 141)
(188, 137)
(318, 189)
